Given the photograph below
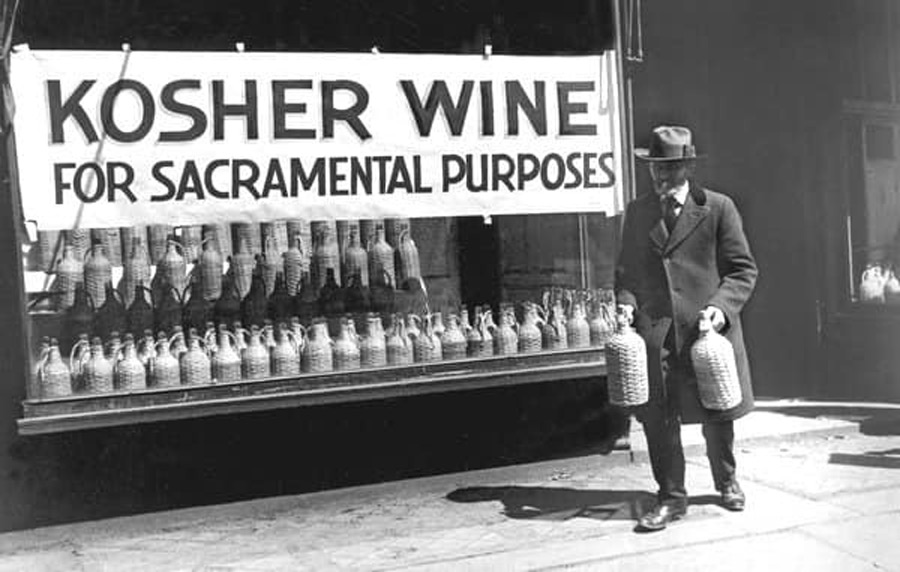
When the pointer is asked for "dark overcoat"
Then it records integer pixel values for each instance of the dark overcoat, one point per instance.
(669, 279)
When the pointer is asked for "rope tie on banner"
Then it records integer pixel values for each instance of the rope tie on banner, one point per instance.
(239, 47)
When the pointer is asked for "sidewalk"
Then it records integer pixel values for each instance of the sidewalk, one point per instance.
(822, 481)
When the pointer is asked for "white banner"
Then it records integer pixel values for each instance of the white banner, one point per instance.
(110, 139)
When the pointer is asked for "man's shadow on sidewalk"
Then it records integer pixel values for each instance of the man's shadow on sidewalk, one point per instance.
(559, 504)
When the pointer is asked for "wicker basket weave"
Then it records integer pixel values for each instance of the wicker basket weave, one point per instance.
(356, 260)
(408, 254)
(226, 363)
(346, 347)
(381, 257)
(427, 345)
(194, 363)
(285, 357)
(48, 249)
(220, 235)
(129, 372)
(626, 365)
(97, 274)
(247, 233)
(274, 236)
(317, 355)
(717, 378)
(211, 267)
(158, 237)
(325, 255)
(111, 239)
(80, 239)
(453, 340)
(56, 379)
(578, 330)
(135, 271)
(530, 336)
(373, 346)
(255, 357)
(398, 345)
(69, 272)
(296, 264)
(172, 268)
(164, 369)
(97, 372)
(191, 240)
(506, 341)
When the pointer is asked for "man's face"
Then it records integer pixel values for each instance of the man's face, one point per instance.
(668, 175)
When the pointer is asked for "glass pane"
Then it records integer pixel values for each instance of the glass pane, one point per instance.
(131, 309)
(875, 218)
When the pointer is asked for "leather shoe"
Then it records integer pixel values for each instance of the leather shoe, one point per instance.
(661, 515)
(733, 497)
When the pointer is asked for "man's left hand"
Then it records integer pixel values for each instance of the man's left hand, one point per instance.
(715, 316)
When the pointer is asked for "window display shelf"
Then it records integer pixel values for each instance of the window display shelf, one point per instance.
(185, 402)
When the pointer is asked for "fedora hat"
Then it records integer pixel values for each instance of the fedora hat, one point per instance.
(669, 143)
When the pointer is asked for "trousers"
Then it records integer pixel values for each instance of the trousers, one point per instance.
(661, 419)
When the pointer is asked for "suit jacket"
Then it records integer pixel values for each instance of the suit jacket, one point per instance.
(669, 278)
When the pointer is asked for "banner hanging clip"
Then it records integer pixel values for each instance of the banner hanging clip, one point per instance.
(239, 47)
(126, 47)
(375, 50)
(488, 221)
(488, 50)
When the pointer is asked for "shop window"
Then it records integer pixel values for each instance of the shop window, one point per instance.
(143, 320)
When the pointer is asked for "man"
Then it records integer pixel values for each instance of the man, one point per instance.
(684, 255)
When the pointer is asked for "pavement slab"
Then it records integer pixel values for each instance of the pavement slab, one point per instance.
(821, 496)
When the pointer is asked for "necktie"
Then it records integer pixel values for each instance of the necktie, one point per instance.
(669, 207)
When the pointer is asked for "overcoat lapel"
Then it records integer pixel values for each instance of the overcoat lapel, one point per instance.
(691, 216)
(659, 235)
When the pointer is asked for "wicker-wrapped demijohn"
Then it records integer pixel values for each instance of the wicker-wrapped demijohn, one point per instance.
(248, 235)
(255, 357)
(356, 260)
(48, 249)
(226, 363)
(325, 256)
(211, 267)
(285, 355)
(164, 368)
(480, 339)
(427, 344)
(111, 239)
(69, 273)
(241, 268)
(129, 373)
(78, 356)
(296, 264)
(381, 260)
(626, 365)
(530, 334)
(171, 269)
(506, 341)
(129, 233)
(578, 331)
(408, 257)
(55, 376)
(453, 340)
(220, 235)
(135, 270)
(712, 356)
(97, 372)
(194, 363)
(554, 331)
(97, 274)
(158, 241)
(373, 345)
(317, 355)
(398, 345)
(346, 347)
(191, 240)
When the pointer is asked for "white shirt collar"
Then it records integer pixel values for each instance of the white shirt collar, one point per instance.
(680, 193)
